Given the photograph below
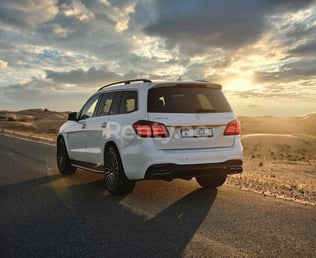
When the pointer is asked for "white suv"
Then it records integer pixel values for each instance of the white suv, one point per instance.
(139, 129)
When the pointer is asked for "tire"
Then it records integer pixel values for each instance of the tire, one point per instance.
(212, 181)
(115, 179)
(63, 161)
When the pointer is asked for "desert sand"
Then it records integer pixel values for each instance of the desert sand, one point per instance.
(279, 152)
(40, 124)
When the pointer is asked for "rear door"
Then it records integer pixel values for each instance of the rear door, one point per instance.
(97, 128)
(195, 115)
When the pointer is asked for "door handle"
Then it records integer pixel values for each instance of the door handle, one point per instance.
(104, 125)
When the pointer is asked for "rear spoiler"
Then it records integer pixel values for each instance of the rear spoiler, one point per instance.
(189, 84)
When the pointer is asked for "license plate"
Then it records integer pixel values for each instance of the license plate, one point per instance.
(196, 132)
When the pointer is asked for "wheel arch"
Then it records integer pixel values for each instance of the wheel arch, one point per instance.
(63, 160)
(60, 136)
(110, 144)
(114, 145)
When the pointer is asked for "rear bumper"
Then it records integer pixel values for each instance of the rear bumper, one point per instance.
(143, 160)
(171, 171)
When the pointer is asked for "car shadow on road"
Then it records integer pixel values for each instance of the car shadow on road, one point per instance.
(174, 227)
(82, 220)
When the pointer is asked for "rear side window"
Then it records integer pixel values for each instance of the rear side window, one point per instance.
(105, 104)
(187, 99)
(109, 104)
(128, 102)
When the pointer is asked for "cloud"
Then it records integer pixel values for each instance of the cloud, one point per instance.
(37, 84)
(27, 13)
(270, 93)
(40, 92)
(94, 77)
(291, 72)
(91, 77)
(61, 90)
(76, 9)
(3, 64)
(197, 26)
(59, 32)
(207, 68)
(300, 25)
(4, 44)
(88, 30)
(121, 14)
(306, 49)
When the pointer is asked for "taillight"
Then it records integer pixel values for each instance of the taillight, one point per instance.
(145, 128)
(232, 128)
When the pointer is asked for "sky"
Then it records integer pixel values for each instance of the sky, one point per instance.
(55, 53)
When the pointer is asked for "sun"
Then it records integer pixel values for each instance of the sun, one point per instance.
(238, 84)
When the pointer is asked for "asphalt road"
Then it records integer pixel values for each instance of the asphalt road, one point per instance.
(43, 214)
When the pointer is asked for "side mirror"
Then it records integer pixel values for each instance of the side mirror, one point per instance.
(72, 116)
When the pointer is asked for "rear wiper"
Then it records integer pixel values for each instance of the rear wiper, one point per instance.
(204, 110)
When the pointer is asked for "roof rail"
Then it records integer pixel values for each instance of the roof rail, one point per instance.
(201, 81)
(125, 82)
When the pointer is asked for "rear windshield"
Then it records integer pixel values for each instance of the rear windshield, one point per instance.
(184, 99)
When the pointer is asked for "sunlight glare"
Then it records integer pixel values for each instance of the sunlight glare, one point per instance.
(237, 84)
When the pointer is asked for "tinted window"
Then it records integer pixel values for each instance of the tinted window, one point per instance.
(128, 102)
(187, 100)
(88, 109)
(106, 104)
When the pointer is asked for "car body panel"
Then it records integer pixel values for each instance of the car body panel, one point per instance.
(75, 139)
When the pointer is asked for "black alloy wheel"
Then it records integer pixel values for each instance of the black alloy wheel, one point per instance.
(115, 179)
(63, 161)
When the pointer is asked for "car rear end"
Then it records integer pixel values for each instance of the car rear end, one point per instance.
(190, 131)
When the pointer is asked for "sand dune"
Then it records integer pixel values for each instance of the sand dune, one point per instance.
(287, 146)
(279, 125)
(33, 121)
